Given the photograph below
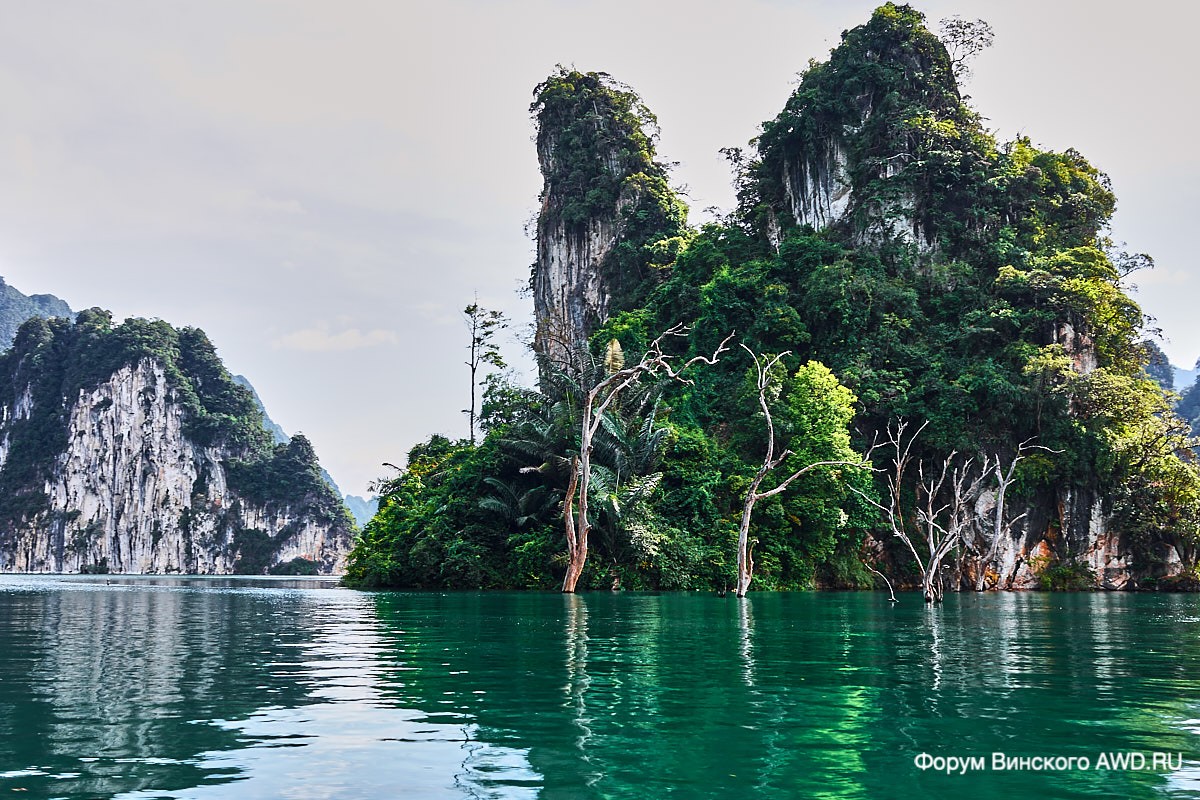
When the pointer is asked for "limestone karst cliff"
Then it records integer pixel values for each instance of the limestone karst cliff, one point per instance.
(940, 277)
(877, 151)
(607, 212)
(861, 144)
(130, 449)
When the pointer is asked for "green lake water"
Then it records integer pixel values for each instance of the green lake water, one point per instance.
(242, 688)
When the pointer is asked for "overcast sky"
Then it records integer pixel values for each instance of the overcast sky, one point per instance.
(322, 186)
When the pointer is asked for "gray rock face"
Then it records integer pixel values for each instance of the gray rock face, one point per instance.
(819, 193)
(132, 493)
(817, 187)
(1068, 528)
(569, 293)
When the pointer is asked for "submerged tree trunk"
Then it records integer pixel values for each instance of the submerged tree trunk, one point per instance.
(931, 587)
(745, 566)
(1000, 528)
(947, 515)
(576, 540)
(595, 404)
(886, 582)
(577, 557)
(945, 506)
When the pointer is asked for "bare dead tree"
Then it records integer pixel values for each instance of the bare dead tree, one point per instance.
(964, 39)
(886, 582)
(595, 404)
(1001, 529)
(944, 505)
(945, 514)
(893, 510)
(771, 460)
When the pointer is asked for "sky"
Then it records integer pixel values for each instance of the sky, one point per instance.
(324, 186)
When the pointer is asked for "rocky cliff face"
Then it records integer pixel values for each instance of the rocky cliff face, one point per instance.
(1067, 528)
(117, 476)
(1072, 528)
(605, 204)
(851, 150)
(571, 295)
(817, 185)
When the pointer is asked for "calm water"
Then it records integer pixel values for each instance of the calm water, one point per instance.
(234, 688)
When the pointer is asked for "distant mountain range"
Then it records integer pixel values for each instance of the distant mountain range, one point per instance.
(360, 508)
(16, 307)
(1184, 378)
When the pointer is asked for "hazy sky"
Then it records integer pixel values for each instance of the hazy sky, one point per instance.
(322, 186)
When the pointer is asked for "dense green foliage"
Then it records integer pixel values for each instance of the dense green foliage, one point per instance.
(968, 284)
(287, 475)
(56, 361)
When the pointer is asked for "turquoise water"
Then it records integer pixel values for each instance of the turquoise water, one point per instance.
(243, 688)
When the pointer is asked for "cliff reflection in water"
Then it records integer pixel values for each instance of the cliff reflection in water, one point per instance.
(228, 688)
(102, 684)
(211, 688)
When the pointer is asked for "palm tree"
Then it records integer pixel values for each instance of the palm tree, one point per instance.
(519, 506)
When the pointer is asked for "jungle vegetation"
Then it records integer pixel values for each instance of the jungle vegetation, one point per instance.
(967, 283)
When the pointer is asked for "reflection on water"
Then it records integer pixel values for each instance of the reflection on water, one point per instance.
(206, 688)
(209, 688)
(578, 683)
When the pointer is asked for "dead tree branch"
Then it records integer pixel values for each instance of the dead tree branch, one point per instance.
(595, 404)
(771, 460)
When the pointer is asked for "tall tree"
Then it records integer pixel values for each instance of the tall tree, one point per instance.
(596, 403)
(483, 325)
(964, 39)
(831, 405)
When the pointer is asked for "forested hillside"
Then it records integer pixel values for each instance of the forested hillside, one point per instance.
(16, 307)
(130, 448)
(907, 269)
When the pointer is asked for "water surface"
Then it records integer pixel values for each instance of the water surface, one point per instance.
(235, 688)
